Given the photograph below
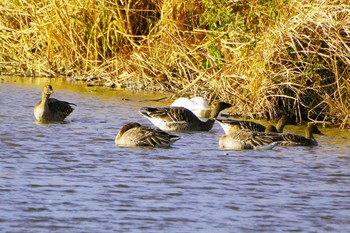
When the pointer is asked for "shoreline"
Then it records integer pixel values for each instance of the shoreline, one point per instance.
(267, 58)
(157, 97)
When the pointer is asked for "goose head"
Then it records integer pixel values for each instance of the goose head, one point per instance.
(128, 126)
(48, 90)
(218, 108)
(312, 129)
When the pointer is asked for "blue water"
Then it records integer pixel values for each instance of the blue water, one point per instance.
(72, 178)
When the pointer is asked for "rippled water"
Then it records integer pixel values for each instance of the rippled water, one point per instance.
(72, 178)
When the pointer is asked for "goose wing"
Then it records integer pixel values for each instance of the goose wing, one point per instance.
(169, 114)
(247, 140)
(253, 126)
(60, 108)
(255, 140)
(289, 139)
(259, 138)
(144, 136)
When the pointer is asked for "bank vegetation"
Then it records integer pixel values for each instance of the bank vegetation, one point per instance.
(267, 57)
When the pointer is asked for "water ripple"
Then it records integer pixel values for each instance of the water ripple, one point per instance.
(71, 177)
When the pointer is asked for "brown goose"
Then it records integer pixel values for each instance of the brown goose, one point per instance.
(180, 118)
(226, 124)
(238, 139)
(50, 109)
(288, 139)
(133, 134)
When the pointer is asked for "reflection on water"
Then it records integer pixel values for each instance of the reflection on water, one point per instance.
(72, 178)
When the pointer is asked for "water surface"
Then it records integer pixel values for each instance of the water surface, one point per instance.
(72, 178)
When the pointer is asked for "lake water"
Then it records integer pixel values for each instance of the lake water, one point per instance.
(72, 178)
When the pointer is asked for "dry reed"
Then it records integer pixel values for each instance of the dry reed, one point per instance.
(267, 57)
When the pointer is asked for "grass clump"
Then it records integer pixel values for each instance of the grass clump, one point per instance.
(267, 57)
(311, 63)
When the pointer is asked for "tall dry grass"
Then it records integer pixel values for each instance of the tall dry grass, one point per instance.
(267, 57)
(310, 63)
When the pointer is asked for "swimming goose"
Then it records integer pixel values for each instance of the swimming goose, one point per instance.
(133, 134)
(289, 139)
(238, 139)
(198, 105)
(226, 124)
(50, 109)
(180, 118)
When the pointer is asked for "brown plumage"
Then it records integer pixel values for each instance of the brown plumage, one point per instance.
(226, 124)
(50, 109)
(239, 139)
(180, 118)
(289, 139)
(133, 134)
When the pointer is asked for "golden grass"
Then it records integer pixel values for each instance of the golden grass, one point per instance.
(267, 57)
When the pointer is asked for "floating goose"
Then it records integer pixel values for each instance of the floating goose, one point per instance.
(289, 139)
(50, 109)
(198, 105)
(180, 118)
(238, 139)
(133, 134)
(226, 124)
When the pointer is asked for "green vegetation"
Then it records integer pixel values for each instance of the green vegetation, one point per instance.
(267, 57)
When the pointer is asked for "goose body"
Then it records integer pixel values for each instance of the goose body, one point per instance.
(50, 109)
(289, 139)
(198, 105)
(238, 139)
(244, 140)
(226, 124)
(180, 118)
(133, 134)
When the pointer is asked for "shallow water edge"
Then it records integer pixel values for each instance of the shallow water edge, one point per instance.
(72, 177)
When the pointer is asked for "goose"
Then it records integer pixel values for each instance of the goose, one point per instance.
(50, 109)
(198, 105)
(134, 134)
(238, 139)
(180, 118)
(226, 124)
(289, 139)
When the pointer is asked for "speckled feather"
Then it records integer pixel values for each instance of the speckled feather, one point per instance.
(133, 134)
